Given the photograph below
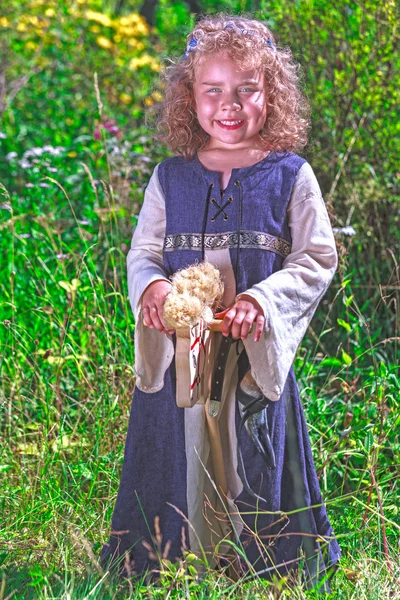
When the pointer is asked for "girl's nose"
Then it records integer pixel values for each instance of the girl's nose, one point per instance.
(231, 102)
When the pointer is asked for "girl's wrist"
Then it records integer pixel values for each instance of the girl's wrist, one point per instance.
(250, 298)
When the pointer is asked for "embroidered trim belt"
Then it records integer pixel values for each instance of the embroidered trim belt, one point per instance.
(220, 241)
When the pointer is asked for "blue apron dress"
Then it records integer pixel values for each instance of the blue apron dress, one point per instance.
(150, 516)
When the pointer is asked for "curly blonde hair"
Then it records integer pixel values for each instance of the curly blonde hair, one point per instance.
(287, 121)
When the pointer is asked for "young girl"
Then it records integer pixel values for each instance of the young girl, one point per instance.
(237, 196)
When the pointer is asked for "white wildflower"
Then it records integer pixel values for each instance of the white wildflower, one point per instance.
(348, 230)
(25, 164)
(54, 151)
(33, 152)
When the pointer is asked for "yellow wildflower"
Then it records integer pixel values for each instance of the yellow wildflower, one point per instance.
(138, 62)
(142, 28)
(130, 19)
(144, 61)
(125, 98)
(4, 22)
(94, 28)
(133, 42)
(33, 19)
(72, 154)
(30, 45)
(105, 20)
(157, 96)
(132, 25)
(148, 101)
(117, 38)
(104, 42)
(140, 46)
(127, 31)
(50, 12)
(21, 27)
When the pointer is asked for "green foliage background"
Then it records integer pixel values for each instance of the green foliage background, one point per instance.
(75, 156)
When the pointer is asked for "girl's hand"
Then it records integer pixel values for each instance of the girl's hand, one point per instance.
(153, 300)
(239, 319)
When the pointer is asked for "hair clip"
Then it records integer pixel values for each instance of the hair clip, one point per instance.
(270, 43)
(190, 47)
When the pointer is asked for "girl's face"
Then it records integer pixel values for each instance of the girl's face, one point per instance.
(230, 103)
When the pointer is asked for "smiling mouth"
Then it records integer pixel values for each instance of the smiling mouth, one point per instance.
(230, 124)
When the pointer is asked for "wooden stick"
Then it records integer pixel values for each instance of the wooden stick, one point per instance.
(215, 325)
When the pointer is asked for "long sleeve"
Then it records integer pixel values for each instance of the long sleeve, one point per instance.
(153, 350)
(145, 258)
(290, 296)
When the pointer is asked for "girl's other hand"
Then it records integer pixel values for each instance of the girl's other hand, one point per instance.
(153, 300)
(238, 319)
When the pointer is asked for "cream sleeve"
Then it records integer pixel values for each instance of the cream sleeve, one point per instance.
(145, 257)
(153, 350)
(290, 296)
